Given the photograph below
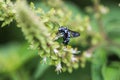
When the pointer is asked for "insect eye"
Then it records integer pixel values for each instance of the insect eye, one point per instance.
(61, 29)
(65, 31)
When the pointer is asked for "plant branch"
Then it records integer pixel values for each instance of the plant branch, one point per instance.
(99, 20)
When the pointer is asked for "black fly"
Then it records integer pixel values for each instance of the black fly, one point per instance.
(66, 34)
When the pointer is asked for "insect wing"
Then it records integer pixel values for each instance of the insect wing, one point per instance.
(74, 34)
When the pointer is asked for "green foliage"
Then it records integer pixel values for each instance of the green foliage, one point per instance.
(39, 24)
(40, 31)
(99, 58)
(13, 56)
(111, 72)
(7, 12)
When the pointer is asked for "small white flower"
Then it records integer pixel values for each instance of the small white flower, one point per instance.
(88, 55)
(45, 60)
(58, 67)
(74, 51)
(65, 49)
(119, 4)
(103, 9)
(55, 51)
(73, 58)
(89, 28)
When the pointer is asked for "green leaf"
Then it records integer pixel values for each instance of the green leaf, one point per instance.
(40, 70)
(99, 59)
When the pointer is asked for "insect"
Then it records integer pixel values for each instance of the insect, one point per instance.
(66, 34)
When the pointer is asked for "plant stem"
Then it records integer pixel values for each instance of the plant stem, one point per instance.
(99, 20)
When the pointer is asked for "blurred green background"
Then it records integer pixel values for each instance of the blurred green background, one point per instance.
(18, 62)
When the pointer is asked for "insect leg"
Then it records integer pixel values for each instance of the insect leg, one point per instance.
(66, 41)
